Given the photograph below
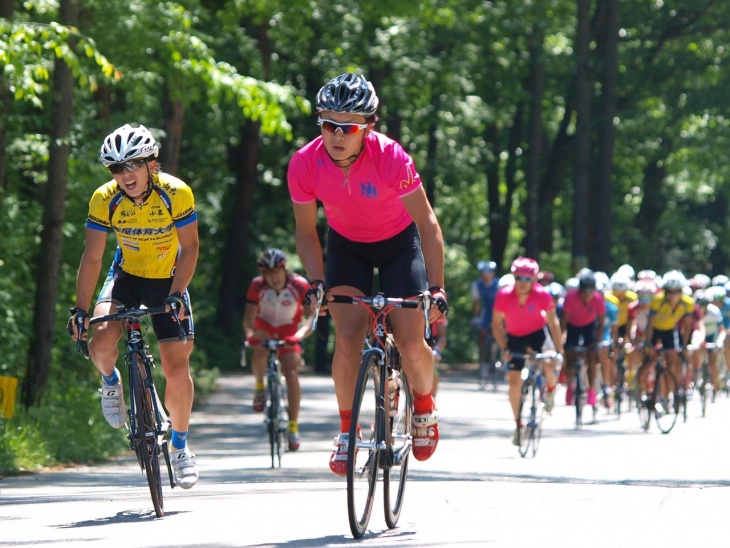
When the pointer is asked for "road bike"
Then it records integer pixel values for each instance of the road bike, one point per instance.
(580, 384)
(276, 417)
(531, 399)
(702, 378)
(382, 412)
(621, 394)
(659, 394)
(490, 368)
(148, 423)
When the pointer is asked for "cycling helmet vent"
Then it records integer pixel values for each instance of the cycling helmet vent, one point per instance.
(127, 143)
(524, 266)
(348, 92)
(272, 258)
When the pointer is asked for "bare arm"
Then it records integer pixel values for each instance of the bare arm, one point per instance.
(249, 315)
(498, 330)
(307, 239)
(189, 249)
(555, 332)
(432, 239)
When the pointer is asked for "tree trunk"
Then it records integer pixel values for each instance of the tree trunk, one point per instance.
(243, 161)
(174, 112)
(608, 53)
(49, 258)
(583, 138)
(534, 151)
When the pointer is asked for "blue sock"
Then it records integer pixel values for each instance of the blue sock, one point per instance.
(179, 440)
(112, 379)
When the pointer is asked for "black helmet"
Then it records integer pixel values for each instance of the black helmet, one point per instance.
(348, 92)
(271, 258)
(587, 280)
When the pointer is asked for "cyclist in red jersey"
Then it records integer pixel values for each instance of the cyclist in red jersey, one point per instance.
(274, 310)
(379, 217)
(523, 313)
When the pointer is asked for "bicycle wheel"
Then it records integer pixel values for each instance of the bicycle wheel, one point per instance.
(620, 393)
(643, 405)
(705, 387)
(579, 395)
(272, 419)
(398, 446)
(363, 451)
(536, 419)
(666, 401)
(526, 415)
(145, 430)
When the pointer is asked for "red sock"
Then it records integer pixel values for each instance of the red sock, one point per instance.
(551, 388)
(422, 403)
(345, 420)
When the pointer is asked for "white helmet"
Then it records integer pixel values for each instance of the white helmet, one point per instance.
(507, 279)
(571, 283)
(628, 270)
(601, 281)
(673, 280)
(720, 279)
(716, 293)
(620, 282)
(127, 143)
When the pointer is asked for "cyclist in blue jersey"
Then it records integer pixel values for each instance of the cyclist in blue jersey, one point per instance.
(484, 291)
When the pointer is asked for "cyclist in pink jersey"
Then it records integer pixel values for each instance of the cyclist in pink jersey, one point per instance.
(379, 218)
(523, 313)
(274, 310)
(584, 312)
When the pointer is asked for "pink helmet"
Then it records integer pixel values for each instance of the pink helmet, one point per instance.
(524, 266)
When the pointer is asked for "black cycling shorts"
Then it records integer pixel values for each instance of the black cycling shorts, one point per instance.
(133, 291)
(521, 344)
(573, 334)
(668, 337)
(399, 261)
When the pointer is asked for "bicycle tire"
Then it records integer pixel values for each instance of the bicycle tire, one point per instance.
(643, 406)
(621, 389)
(525, 414)
(272, 420)
(145, 430)
(363, 451)
(579, 394)
(398, 446)
(706, 386)
(666, 411)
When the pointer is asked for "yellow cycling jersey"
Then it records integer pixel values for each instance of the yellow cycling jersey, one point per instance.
(147, 242)
(666, 318)
(623, 305)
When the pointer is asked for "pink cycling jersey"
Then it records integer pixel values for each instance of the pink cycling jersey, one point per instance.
(282, 308)
(361, 206)
(582, 313)
(521, 320)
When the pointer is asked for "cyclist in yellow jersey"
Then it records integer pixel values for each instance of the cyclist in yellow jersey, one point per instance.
(153, 217)
(670, 319)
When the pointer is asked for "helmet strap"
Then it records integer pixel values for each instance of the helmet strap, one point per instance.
(145, 194)
(351, 160)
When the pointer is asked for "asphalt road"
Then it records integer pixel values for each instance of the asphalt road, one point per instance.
(609, 484)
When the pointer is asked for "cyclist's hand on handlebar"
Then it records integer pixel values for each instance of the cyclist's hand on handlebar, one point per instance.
(438, 299)
(176, 303)
(292, 340)
(79, 317)
(316, 296)
(253, 341)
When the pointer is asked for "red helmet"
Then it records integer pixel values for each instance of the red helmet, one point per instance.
(524, 266)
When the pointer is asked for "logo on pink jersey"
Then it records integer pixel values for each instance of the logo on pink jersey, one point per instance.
(408, 182)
